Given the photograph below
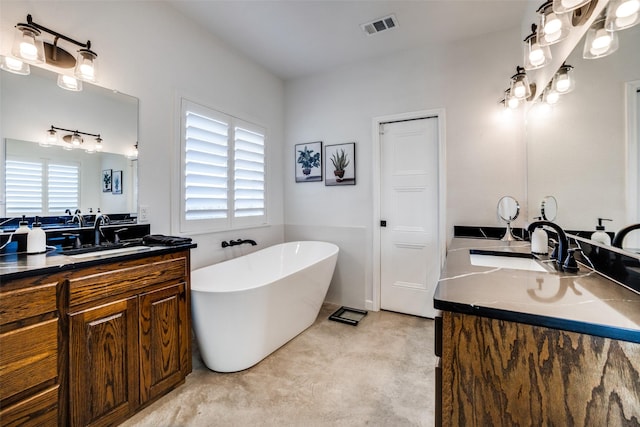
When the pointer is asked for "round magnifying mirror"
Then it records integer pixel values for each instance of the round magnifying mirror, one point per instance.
(549, 208)
(508, 209)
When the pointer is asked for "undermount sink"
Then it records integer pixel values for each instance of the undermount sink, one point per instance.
(107, 252)
(509, 260)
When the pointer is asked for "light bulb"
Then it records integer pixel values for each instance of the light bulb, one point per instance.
(569, 4)
(536, 56)
(28, 50)
(86, 71)
(552, 97)
(563, 83)
(13, 64)
(627, 9)
(553, 25)
(601, 42)
(519, 90)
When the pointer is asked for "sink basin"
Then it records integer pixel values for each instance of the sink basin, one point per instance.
(508, 260)
(107, 252)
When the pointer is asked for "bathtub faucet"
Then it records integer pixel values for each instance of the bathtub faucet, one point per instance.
(238, 242)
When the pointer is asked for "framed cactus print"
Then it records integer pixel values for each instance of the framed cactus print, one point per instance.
(340, 164)
(308, 159)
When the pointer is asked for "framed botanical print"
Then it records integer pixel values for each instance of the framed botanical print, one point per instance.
(340, 166)
(308, 159)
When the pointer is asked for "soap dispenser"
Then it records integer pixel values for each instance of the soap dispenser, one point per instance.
(20, 235)
(36, 239)
(539, 241)
(600, 235)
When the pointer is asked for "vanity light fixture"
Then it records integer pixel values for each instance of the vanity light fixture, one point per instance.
(14, 65)
(554, 27)
(29, 47)
(520, 88)
(562, 6)
(622, 14)
(536, 55)
(563, 81)
(599, 42)
(74, 139)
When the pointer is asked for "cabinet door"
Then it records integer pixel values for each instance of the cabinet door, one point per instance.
(164, 339)
(103, 359)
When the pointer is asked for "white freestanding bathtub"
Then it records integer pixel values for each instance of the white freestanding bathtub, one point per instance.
(246, 308)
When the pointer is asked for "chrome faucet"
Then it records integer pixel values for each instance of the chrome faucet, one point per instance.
(563, 242)
(97, 228)
(621, 234)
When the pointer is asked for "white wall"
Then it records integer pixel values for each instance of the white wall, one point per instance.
(150, 51)
(485, 156)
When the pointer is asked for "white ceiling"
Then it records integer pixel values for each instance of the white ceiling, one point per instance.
(293, 38)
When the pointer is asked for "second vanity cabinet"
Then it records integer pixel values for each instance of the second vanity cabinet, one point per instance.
(501, 373)
(129, 336)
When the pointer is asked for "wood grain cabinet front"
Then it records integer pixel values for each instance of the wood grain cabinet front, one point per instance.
(501, 373)
(103, 363)
(29, 347)
(129, 337)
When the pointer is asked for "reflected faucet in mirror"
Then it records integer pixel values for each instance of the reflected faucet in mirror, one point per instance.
(621, 234)
(100, 220)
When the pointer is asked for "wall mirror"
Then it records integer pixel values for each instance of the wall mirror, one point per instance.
(30, 105)
(579, 151)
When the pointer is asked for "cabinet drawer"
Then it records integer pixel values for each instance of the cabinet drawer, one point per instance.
(28, 357)
(38, 410)
(21, 304)
(125, 279)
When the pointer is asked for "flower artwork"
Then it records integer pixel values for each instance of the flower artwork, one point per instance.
(308, 162)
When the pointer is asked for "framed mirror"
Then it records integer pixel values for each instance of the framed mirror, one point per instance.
(584, 151)
(31, 105)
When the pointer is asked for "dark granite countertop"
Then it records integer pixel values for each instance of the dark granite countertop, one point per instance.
(583, 302)
(13, 266)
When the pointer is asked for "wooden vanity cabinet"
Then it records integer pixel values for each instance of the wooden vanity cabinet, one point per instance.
(501, 373)
(29, 352)
(129, 336)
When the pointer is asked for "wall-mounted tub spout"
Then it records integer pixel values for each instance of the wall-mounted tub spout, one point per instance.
(226, 244)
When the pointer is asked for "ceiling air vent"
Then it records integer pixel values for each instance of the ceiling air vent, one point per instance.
(381, 24)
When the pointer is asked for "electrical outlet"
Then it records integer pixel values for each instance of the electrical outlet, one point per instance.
(143, 215)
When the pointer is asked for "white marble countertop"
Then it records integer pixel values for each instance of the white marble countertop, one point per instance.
(583, 302)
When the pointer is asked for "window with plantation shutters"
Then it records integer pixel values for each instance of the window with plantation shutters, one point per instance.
(42, 187)
(62, 187)
(223, 171)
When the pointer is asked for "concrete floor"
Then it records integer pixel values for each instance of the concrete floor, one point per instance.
(379, 373)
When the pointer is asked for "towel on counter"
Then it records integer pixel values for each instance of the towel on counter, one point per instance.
(162, 240)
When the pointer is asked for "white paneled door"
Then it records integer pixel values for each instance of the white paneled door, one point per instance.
(409, 252)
